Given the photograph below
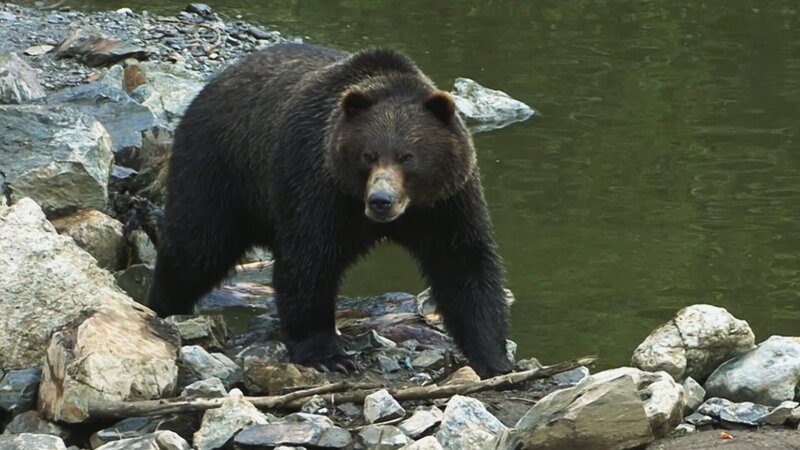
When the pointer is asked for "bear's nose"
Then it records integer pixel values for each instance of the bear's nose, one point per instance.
(380, 202)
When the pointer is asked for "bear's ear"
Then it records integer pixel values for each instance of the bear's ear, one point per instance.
(441, 104)
(355, 101)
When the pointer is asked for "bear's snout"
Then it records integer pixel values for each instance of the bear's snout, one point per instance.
(386, 199)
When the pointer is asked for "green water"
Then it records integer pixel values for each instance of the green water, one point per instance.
(664, 169)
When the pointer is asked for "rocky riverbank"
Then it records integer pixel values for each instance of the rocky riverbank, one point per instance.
(88, 104)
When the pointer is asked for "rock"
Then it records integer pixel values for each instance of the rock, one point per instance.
(18, 81)
(486, 109)
(196, 364)
(422, 421)
(768, 374)
(695, 394)
(466, 423)
(511, 350)
(27, 441)
(47, 281)
(295, 430)
(201, 9)
(429, 359)
(746, 413)
(780, 413)
(269, 352)
(144, 251)
(371, 340)
(570, 377)
(388, 364)
(597, 415)
(426, 443)
(380, 406)
(98, 234)
(136, 281)
(38, 50)
(221, 424)
(528, 364)
(94, 49)
(160, 440)
(794, 417)
(699, 420)
(274, 379)
(123, 118)
(118, 352)
(18, 390)
(694, 343)
(134, 427)
(207, 331)
(209, 388)
(684, 429)
(351, 410)
(382, 437)
(315, 405)
(30, 422)
(56, 155)
(461, 376)
(664, 400)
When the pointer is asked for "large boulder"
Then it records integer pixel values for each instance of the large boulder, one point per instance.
(467, 424)
(596, 414)
(98, 234)
(46, 281)
(486, 109)
(768, 374)
(18, 81)
(56, 155)
(694, 343)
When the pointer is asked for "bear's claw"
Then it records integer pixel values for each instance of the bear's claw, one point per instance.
(339, 363)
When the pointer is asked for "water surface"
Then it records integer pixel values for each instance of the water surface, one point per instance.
(664, 169)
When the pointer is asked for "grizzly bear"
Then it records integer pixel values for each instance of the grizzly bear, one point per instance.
(318, 155)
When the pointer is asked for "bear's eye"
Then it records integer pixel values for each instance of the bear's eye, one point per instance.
(406, 157)
(369, 157)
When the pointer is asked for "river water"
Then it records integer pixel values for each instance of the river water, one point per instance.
(662, 171)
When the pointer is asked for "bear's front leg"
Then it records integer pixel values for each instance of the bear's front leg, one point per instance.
(306, 281)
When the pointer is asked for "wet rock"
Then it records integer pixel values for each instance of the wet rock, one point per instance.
(570, 377)
(597, 415)
(262, 328)
(424, 419)
(123, 118)
(27, 441)
(664, 400)
(388, 364)
(699, 420)
(486, 109)
(47, 281)
(466, 424)
(430, 359)
(124, 431)
(18, 390)
(197, 364)
(746, 413)
(270, 352)
(695, 394)
(694, 343)
(371, 340)
(30, 422)
(274, 379)
(382, 437)
(118, 352)
(136, 281)
(56, 155)
(201, 9)
(768, 374)
(380, 406)
(93, 48)
(426, 443)
(780, 413)
(160, 440)
(143, 251)
(18, 81)
(207, 331)
(258, 33)
(298, 429)
(98, 234)
(209, 388)
(220, 424)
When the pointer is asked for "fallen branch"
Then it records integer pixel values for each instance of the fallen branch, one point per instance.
(357, 392)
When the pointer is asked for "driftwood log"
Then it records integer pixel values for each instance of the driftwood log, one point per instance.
(341, 392)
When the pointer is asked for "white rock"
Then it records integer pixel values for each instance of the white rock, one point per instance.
(381, 406)
(160, 440)
(767, 375)
(780, 413)
(46, 281)
(487, 109)
(220, 424)
(198, 364)
(694, 343)
(28, 441)
(209, 388)
(462, 414)
(695, 394)
(98, 234)
(423, 419)
(382, 437)
(426, 443)
(600, 415)
(18, 81)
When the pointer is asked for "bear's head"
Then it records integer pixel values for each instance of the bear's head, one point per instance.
(397, 142)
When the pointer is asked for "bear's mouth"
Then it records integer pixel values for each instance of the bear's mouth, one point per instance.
(385, 199)
(396, 210)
